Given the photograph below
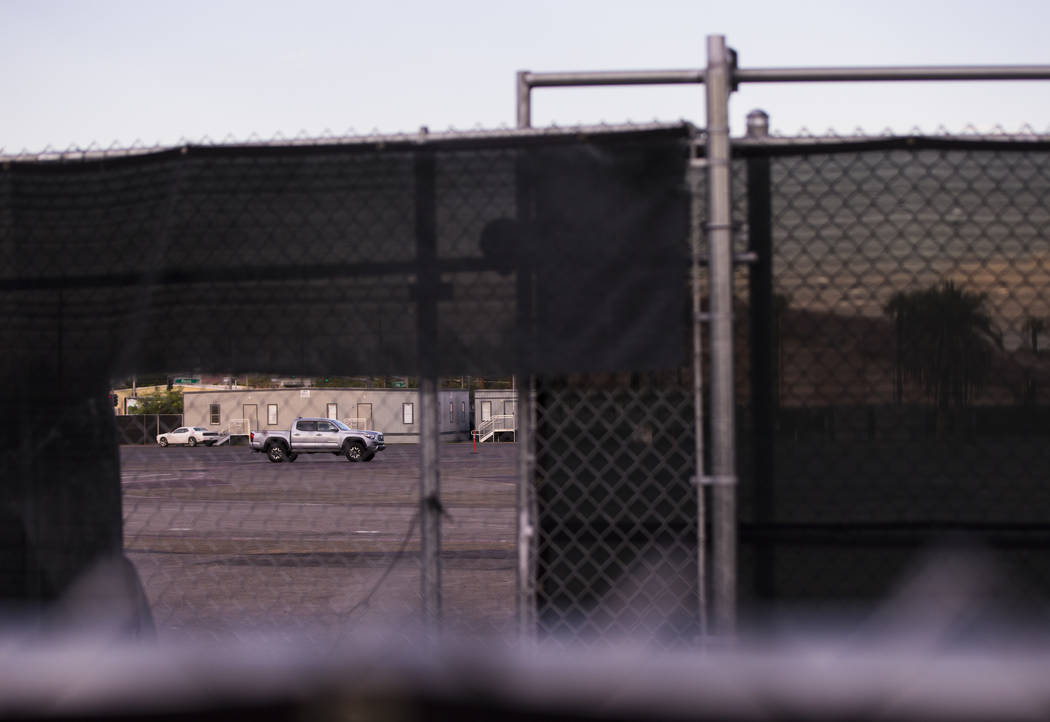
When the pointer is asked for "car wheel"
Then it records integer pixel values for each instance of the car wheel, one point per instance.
(369, 456)
(292, 457)
(354, 451)
(162, 441)
(192, 441)
(276, 453)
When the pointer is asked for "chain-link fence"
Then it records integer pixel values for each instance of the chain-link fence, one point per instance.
(891, 302)
(499, 254)
(617, 553)
(891, 378)
(895, 369)
(145, 428)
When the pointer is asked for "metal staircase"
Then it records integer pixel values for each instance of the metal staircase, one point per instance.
(495, 425)
(237, 427)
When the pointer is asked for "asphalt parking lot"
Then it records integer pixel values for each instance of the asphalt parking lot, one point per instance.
(227, 542)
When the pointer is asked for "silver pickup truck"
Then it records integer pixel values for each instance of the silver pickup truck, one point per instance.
(316, 436)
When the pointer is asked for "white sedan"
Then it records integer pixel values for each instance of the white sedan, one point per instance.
(188, 435)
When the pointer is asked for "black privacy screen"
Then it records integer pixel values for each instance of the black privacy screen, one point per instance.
(492, 256)
(517, 253)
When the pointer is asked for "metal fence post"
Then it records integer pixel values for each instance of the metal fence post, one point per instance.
(427, 289)
(430, 504)
(764, 364)
(526, 518)
(720, 268)
(696, 280)
(524, 100)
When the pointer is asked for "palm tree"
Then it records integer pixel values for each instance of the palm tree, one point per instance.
(1032, 327)
(945, 338)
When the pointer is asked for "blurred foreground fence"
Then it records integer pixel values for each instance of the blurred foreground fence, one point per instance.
(892, 383)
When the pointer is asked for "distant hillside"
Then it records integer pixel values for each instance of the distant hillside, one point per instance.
(835, 359)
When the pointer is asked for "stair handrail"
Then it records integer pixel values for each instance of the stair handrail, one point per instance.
(498, 422)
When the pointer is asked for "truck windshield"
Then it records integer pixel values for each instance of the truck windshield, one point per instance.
(340, 424)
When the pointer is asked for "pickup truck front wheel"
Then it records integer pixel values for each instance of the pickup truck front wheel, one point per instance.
(354, 451)
(276, 453)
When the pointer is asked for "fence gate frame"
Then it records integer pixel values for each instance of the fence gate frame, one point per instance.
(721, 77)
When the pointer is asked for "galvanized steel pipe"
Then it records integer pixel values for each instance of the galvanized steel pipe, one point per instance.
(720, 269)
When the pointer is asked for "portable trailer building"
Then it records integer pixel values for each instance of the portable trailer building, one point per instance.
(495, 414)
(395, 412)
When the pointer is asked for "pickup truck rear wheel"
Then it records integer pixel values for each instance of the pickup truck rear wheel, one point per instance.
(276, 453)
(354, 450)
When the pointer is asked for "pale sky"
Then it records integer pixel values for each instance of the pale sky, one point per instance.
(117, 73)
